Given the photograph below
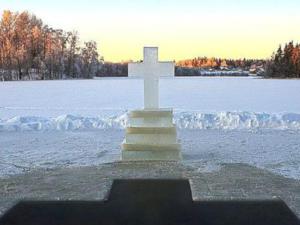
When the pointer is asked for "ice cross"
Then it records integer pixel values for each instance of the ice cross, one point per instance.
(151, 69)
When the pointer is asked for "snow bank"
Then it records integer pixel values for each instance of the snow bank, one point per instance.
(183, 120)
(237, 120)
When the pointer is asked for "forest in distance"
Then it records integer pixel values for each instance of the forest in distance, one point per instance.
(32, 50)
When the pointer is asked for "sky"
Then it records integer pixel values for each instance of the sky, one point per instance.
(181, 29)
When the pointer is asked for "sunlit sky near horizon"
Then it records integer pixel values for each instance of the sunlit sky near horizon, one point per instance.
(182, 29)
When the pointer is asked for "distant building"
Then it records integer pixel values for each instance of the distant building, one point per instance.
(223, 65)
(256, 69)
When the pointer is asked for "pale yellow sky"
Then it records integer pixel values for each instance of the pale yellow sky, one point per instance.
(181, 29)
(234, 36)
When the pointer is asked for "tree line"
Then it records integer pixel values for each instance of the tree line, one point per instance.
(30, 49)
(109, 69)
(191, 67)
(285, 62)
(219, 63)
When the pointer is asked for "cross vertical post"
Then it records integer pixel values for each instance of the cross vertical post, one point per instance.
(151, 93)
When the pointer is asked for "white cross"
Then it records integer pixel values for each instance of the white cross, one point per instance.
(151, 69)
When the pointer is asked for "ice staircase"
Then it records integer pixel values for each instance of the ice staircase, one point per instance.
(151, 135)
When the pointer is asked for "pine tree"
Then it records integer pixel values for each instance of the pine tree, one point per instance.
(285, 63)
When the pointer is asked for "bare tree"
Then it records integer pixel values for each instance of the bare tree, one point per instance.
(31, 50)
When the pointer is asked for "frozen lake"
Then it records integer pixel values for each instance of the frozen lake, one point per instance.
(221, 120)
(204, 94)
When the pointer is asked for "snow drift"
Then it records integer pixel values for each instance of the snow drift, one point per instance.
(183, 120)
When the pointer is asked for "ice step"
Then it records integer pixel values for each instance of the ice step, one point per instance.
(151, 130)
(151, 138)
(151, 155)
(151, 135)
(151, 113)
(150, 147)
(151, 121)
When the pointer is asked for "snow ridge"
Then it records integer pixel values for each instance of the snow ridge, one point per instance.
(183, 120)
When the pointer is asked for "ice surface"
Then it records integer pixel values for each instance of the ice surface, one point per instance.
(206, 150)
(92, 98)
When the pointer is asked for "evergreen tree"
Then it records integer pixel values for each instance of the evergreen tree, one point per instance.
(285, 63)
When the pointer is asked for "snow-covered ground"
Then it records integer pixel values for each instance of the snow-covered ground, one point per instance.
(109, 95)
(221, 120)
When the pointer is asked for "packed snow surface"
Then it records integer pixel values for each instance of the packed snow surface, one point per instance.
(221, 120)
